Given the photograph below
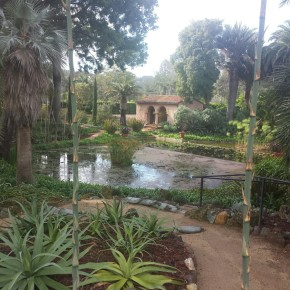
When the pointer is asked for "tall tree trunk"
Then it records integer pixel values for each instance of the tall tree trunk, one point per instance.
(95, 99)
(123, 110)
(55, 105)
(75, 131)
(24, 155)
(249, 154)
(7, 134)
(233, 91)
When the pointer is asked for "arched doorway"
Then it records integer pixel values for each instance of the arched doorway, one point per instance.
(151, 115)
(162, 115)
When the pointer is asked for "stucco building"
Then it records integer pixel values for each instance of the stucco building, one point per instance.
(157, 109)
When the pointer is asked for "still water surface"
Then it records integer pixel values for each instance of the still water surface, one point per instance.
(162, 170)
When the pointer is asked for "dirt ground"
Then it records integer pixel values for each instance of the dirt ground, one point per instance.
(217, 251)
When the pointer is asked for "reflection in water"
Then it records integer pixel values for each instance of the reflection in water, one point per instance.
(95, 167)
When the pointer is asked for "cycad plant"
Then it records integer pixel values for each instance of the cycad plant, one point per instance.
(27, 43)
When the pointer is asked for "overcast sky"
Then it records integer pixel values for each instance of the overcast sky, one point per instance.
(175, 15)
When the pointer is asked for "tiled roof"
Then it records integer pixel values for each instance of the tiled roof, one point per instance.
(168, 100)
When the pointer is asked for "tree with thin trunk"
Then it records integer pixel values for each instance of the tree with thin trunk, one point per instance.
(249, 154)
(235, 44)
(27, 44)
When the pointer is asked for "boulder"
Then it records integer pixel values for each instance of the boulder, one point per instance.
(284, 212)
(221, 218)
(133, 200)
(199, 213)
(212, 214)
(148, 202)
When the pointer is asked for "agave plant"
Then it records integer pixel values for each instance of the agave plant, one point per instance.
(153, 225)
(129, 237)
(34, 259)
(30, 263)
(113, 212)
(128, 274)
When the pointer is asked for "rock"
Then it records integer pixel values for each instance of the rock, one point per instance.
(132, 200)
(265, 231)
(61, 211)
(237, 207)
(221, 218)
(198, 214)
(236, 218)
(212, 214)
(284, 212)
(148, 202)
(189, 264)
(189, 229)
(161, 205)
(191, 286)
(132, 212)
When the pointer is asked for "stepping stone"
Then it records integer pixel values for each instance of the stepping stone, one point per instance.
(189, 229)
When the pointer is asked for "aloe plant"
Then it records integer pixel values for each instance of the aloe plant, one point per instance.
(127, 274)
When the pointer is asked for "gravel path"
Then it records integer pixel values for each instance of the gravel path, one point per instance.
(218, 255)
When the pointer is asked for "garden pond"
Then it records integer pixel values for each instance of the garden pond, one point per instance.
(151, 168)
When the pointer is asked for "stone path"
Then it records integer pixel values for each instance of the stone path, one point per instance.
(217, 252)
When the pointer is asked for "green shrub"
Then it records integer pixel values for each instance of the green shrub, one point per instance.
(186, 119)
(122, 150)
(214, 121)
(208, 121)
(111, 126)
(275, 194)
(273, 167)
(104, 112)
(136, 125)
(168, 127)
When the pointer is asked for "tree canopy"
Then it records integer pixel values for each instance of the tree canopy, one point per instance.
(110, 31)
(195, 59)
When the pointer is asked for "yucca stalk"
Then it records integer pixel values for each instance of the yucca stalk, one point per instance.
(249, 154)
(95, 98)
(75, 261)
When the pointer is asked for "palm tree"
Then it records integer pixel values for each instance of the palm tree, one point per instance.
(278, 51)
(277, 66)
(27, 44)
(122, 89)
(235, 44)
